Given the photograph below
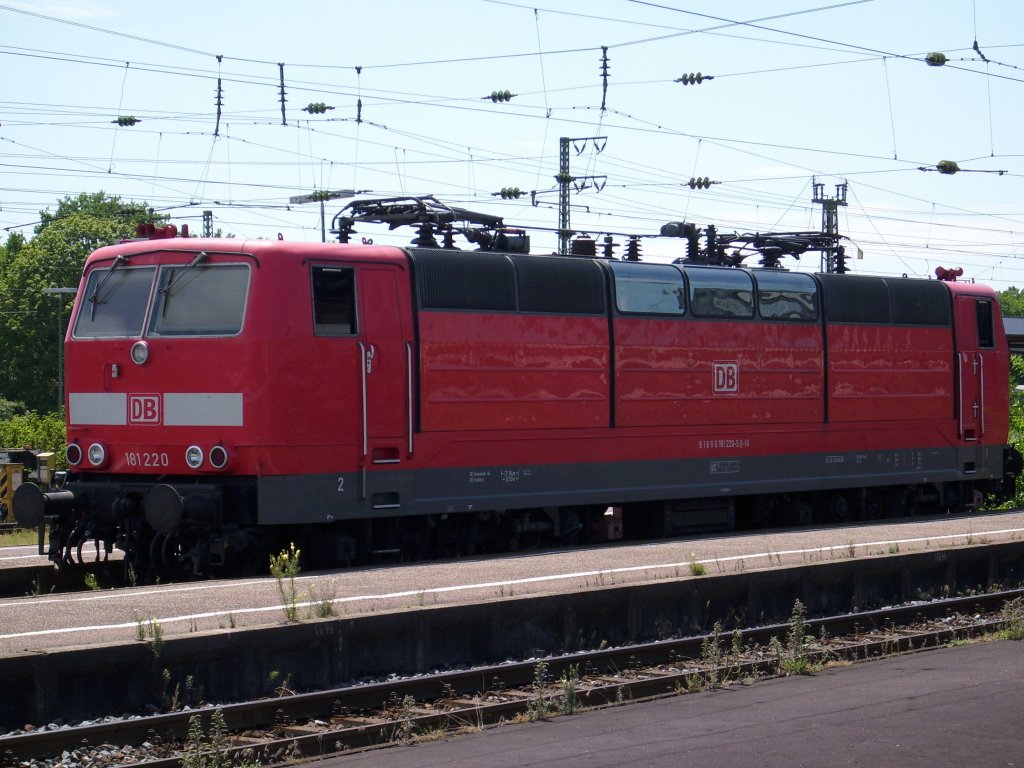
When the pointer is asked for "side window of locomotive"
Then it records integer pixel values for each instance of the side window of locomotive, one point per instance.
(649, 289)
(334, 301)
(786, 295)
(114, 303)
(200, 300)
(720, 292)
(986, 333)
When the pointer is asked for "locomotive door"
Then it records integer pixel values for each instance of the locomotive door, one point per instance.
(975, 342)
(385, 364)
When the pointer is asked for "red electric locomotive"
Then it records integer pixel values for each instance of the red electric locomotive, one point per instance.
(225, 397)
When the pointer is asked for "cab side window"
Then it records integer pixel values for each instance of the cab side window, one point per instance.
(986, 333)
(334, 301)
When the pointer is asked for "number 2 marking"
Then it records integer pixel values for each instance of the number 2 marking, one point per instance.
(341, 485)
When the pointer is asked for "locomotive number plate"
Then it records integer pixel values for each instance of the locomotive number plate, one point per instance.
(147, 459)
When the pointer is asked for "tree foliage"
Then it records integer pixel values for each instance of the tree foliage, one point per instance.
(124, 215)
(1011, 302)
(53, 258)
(30, 430)
(10, 409)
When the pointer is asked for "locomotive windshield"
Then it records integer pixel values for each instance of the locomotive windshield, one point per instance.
(200, 300)
(190, 300)
(117, 300)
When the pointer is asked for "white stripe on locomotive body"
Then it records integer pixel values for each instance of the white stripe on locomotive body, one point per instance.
(98, 408)
(203, 409)
(178, 409)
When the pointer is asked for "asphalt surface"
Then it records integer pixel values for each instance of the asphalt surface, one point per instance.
(960, 707)
(53, 622)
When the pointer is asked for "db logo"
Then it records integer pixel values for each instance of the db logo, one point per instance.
(144, 409)
(727, 376)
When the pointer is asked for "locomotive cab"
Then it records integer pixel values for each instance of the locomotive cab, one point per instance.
(153, 411)
(208, 381)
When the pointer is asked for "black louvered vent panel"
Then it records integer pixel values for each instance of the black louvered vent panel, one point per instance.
(464, 280)
(567, 286)
(919, 302)
(856, 299)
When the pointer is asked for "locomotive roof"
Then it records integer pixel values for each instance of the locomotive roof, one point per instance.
(301, 250)
(259, 248)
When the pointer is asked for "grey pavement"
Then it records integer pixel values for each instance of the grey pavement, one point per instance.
(959, 707)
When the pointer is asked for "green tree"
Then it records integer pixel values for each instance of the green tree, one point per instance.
(53, 258)
(9, 410)
(15, 241)
(125, 215)
(1011, 302)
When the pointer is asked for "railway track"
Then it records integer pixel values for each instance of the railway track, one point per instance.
(294, 726)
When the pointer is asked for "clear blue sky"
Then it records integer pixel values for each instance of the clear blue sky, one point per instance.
(837, 91)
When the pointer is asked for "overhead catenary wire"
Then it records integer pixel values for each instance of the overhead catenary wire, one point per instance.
(406, 145)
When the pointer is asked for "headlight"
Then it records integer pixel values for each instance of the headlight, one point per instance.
(218, 457)
(73, 451)
(97, 454)
(140, 352)
(194, 456)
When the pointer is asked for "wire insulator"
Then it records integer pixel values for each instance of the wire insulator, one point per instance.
(699, 182)
(316, 108)
(126, 121)
(935, 59)
(693, 79)
(948, 167)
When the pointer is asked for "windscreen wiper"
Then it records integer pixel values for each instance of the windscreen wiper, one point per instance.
(177, 275)
(94, 298)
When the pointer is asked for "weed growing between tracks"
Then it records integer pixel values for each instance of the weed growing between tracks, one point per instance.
(569, 702)
(1013, 615)
(539, 706)
(566, 702)
(796, 661)
(204, 750)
